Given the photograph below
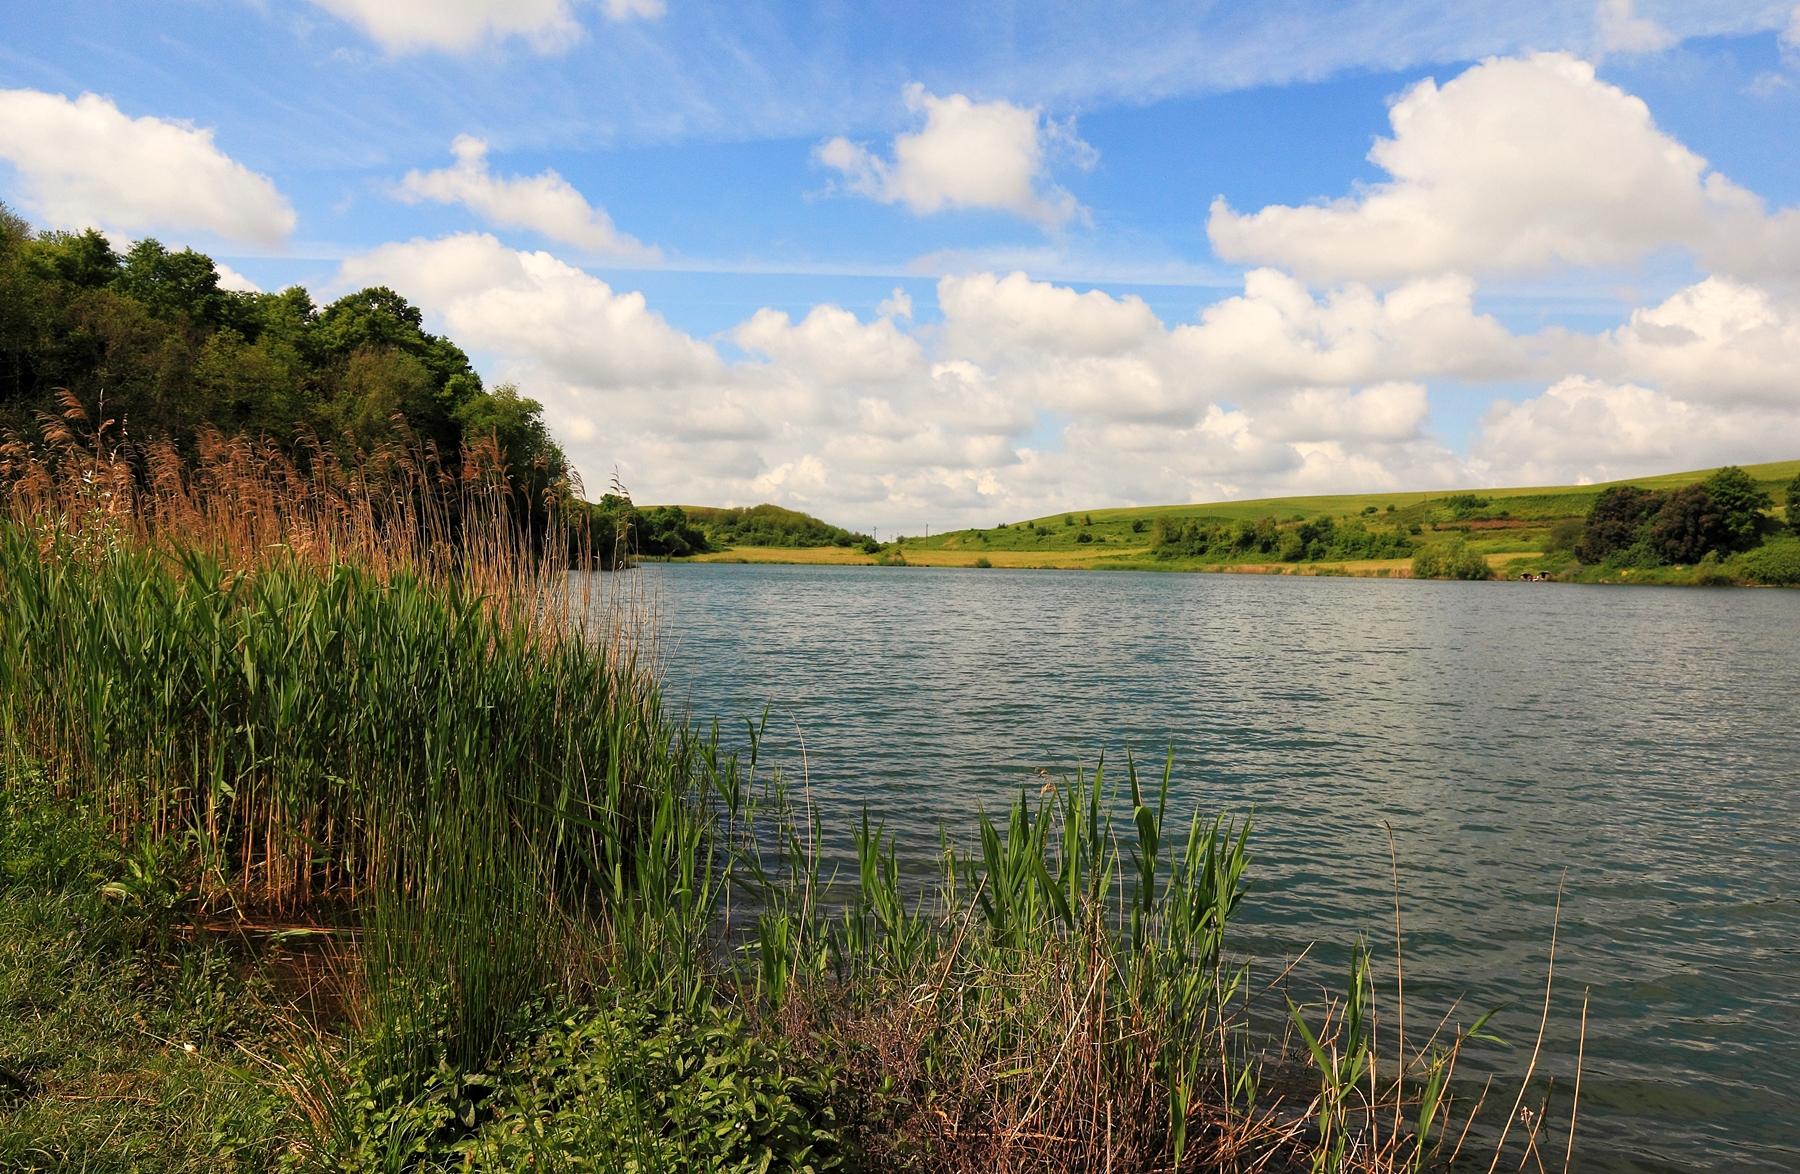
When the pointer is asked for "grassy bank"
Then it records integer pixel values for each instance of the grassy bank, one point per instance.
(1512, 531)
(334, 835)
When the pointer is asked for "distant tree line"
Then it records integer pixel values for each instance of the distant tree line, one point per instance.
(618, 529)
(146, 339)
(1301, 540)
(1633, 527)
(770, 525)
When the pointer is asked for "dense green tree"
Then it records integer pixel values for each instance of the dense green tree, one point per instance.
(1617, 521)
(1792, 494)
(150, 341)
(619, 531)
(1689, 526)
(1741, 501)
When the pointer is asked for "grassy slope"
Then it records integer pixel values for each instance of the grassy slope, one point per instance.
(1115, 545)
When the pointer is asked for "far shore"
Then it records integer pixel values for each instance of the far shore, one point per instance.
(1140, 559)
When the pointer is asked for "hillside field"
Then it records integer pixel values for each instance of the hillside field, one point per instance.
(1511, 528)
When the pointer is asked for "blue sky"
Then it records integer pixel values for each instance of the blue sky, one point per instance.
(734, 162)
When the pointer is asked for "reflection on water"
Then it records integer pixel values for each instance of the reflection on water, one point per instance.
(1641, 741)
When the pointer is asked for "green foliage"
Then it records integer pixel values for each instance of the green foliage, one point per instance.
(150, 342)
(1791, 496)
(1617, 521)
(292, 729)
(1565, 536)
(771, 525)
(1463, 506)
(1316, 539)
(1450, 560)
(664, 1090)
(1639, 528)
(1689, 526)
(1777, 563)
(984, 562)
(1741, 501)
(619, 531)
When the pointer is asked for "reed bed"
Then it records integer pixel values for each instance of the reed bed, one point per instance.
(378, 699)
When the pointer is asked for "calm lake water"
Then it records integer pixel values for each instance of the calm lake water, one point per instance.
(1644, 743)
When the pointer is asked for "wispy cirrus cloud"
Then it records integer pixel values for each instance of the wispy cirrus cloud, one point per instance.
(457, 26)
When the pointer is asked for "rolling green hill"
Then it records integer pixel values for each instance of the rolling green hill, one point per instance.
(1528, 528)
(1548, 501)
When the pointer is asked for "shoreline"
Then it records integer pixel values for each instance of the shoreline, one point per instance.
(1506, 566)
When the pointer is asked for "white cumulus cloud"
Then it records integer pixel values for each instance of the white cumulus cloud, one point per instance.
(84, 163)
(1622, 30)
(1032, 397)
(544, 203)
(1588, 428)
(494, 299)
(401, 26)
(968, 155)
(1518, 165)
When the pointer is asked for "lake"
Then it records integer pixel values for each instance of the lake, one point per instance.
(1642, 743)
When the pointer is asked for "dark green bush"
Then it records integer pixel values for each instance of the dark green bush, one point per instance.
(1689, 526)
(1616, 521)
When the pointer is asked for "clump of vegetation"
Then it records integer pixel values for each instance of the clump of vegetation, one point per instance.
(148, 340)
(1463, 506)
(770, 525)
(1451, 560)
(618, 531)
(1305, 540)
(1632, 527)
(1776, 563)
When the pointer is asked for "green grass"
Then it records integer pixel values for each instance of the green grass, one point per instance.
(1512, 531)
(1536, 502)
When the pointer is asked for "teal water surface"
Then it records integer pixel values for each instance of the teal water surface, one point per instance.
(1638, 746)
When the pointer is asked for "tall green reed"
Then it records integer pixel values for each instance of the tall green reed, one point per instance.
(1063, 998)
(338, 717)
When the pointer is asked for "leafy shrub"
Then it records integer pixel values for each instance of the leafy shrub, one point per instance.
(1084, 536)
(1565, 536)
(623, 1086)
(1709, 572)
(983, 562)
(770, 525)
(1463, 506)
(1297, 541)
(1778, 564)
(1450, 560)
